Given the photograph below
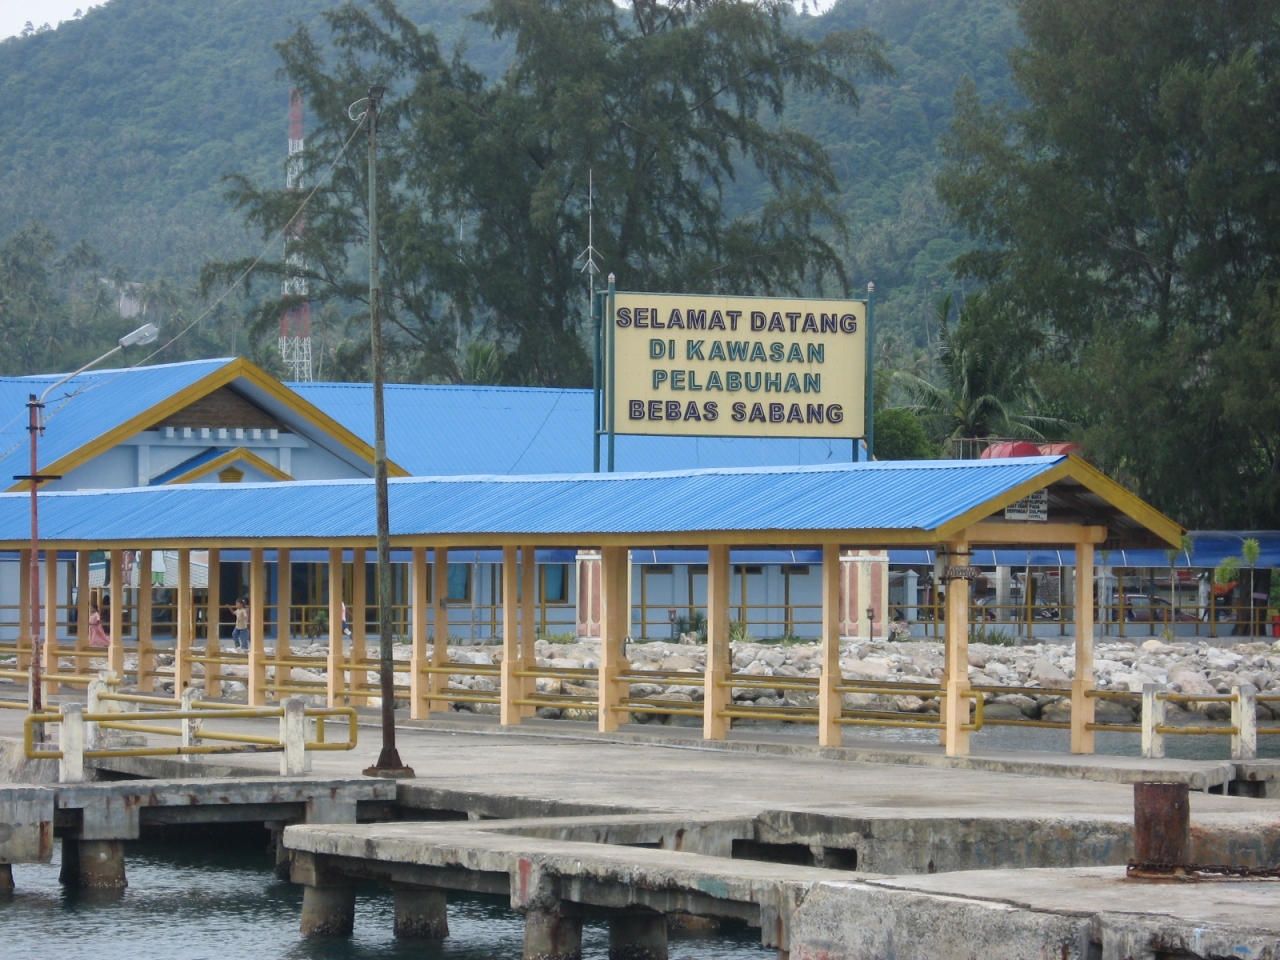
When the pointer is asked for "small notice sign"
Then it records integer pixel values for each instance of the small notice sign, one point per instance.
(1033, 507)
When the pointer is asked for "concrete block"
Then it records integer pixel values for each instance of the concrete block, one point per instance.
(26, 824)
(421, 912)
(551, 933)
(328, 911)
(849, 921)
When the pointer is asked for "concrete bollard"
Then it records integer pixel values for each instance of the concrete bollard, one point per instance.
(294, 759)
(328, 911)
(97, 687)
(551, 933)
(71, 737)
(1152, 718)
(1161, 823)
(190, 728)
(102, 864)
(638, 936)
(421, 912)
(1244, 717)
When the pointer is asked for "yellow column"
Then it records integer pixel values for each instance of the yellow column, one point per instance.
(359, 612)
(24, 609)
(509, 712)
(82, 605)
(829, 699)
(719, 656)
(213, 627)
(257, 624)
(528, 626)
(185, 627)
(115, 652)
(284, 607)
(146, 649)
(50, 653)
(439, 622)
(1082, 706)
(334, 676)
(955, 706)
(419, 682)
(615, 624)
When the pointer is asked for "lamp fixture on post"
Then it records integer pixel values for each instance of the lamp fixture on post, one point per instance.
(147, 333)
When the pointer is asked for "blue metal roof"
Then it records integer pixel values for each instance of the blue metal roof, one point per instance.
(85, 408)
(905, 495)
(435, 430)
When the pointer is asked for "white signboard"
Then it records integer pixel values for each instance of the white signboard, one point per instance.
(1034, 507)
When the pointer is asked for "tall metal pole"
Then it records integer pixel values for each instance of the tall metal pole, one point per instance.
(389, 764)
(37, 694)
(869, 414)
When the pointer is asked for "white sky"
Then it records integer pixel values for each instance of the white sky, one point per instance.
(15, 13)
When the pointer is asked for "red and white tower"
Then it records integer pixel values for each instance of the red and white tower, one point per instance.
(295, 321)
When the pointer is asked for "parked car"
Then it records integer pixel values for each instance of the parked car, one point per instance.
(1144, 608)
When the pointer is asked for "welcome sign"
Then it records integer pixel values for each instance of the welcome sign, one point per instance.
(687, 365)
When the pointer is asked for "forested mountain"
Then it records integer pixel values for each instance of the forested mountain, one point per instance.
(120, 126)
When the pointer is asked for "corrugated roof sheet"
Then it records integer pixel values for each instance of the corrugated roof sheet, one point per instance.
(902, 495)
(85, 408)
(435, 430)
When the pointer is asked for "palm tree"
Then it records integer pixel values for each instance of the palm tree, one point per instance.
(981, 393)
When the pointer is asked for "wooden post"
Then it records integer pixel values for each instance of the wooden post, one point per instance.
(439, 623)
(719, 655)
(334, 676)
(257, 624)
(955, 706)
(1082, 705)
(615, 623)
(82, 604)
(284, 610)
(359, 612)
(185, 627)
(213, 627)
(24, 609)
(418, 681)
(115, 652)
(50, 652)
(146, 649)
(829, 699)
(509, 712)
(528, 626)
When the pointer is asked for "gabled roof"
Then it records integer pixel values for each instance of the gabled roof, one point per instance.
(875, 504)
(101, 408)
(211, 461)
(442, 430)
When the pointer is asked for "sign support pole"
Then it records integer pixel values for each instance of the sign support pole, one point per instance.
(869, 413)
(610, 404)
(595, 384)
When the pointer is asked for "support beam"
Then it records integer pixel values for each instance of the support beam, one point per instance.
(421, 912)
(552, 933)
(284, 611)
(115, 652)
(185, 627)
(213, 626)
(257, 626)
(328, 911)
(419, 682)
(334, 674)
(955, 707)
(638, 936)
(1082, 705)
(146, 648)
(615, 623)
(509, 712)
(439, 621)
(24, 609)
(1002, 533)
(719, 654)
(50, 652)
(829, 699)
(359, 614)
(83, 608)
(528, 625)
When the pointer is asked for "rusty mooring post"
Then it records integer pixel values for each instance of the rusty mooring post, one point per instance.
(1161, 826)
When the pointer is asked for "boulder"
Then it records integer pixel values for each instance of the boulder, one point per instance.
(1048, 674)
(681, 663)
(997, 710)
(1028, 707)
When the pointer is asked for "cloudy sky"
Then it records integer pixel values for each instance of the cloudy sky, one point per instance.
(15, 13)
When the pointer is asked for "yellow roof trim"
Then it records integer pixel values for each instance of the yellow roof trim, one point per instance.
(233, 370)
(225, 460)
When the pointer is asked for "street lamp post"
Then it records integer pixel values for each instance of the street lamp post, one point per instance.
(147, 333)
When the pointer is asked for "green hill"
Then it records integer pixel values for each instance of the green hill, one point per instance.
(119, 126)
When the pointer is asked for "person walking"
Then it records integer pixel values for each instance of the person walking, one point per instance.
(97, 636)
(240, 632)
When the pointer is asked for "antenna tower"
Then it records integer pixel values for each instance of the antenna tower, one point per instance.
(295, 321)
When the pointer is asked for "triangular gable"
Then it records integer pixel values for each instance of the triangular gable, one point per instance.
(253, 384)
(222, 465)
(1080, 494)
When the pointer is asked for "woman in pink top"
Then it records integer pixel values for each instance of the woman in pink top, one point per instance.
(97, 636)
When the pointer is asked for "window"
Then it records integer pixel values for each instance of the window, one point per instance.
(459, 582)
(555, 583)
